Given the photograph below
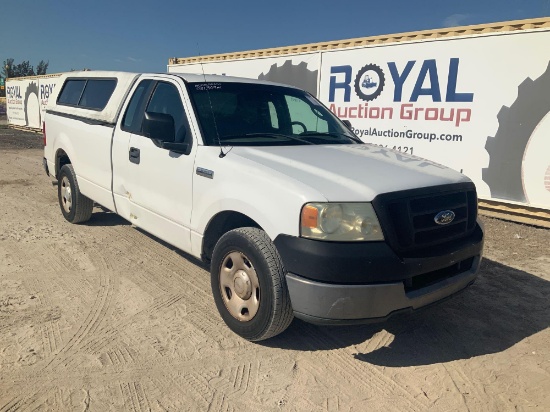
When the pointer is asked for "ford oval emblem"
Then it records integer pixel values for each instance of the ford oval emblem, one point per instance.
(444, 217)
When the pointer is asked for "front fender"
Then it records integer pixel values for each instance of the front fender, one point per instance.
(235, 205)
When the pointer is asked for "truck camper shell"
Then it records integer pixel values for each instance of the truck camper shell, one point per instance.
(107, 114)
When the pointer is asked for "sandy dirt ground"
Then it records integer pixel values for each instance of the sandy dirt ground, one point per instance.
(101, 316)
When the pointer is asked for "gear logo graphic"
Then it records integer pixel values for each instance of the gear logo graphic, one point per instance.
(369, 82)
(517, 131)
(32, 88)
(294, 74)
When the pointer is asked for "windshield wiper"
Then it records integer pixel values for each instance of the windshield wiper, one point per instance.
(332, 134)
(269, 135)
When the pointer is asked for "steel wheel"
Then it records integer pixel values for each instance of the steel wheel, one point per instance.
(66, 194)
(248, 282)
(76, 207)
(239, 286)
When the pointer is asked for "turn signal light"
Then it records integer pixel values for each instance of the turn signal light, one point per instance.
(310, 216)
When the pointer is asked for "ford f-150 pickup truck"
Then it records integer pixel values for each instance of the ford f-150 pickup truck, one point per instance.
(295, 215)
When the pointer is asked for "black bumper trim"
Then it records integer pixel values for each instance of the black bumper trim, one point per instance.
(369, 262)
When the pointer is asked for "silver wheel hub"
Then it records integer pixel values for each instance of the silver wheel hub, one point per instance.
(239, 286)
(242, 285)
(66, 194)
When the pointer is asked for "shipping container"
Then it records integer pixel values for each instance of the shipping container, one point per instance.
(473, 98)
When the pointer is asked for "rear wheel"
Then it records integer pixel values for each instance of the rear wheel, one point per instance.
(76, 207)
(249, 285)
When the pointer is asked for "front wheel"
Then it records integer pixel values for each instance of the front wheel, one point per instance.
(76, 207)
(249, 285)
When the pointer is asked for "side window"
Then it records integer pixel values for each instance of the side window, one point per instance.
(131, 122)
(97, 93)
(72, 90)
(91, 94)
(166, 99)
(273, 115)
(301, 111)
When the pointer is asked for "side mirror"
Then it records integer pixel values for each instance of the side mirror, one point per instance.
(180, 148)
(159, 126)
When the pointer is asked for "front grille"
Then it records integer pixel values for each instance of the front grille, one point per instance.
(407, 217)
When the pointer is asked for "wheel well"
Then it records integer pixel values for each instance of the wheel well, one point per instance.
(61, 159)
(220, 224)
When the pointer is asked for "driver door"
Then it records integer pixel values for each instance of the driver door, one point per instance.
(158, 181)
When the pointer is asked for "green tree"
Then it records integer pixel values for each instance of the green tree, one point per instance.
(42, 67)
(7, 68)
(23, 69)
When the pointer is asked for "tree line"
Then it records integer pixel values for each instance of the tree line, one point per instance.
(11, 69)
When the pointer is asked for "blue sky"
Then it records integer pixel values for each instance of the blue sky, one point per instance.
(141, 35)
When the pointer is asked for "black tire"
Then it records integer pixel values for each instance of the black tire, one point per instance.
(76, 207)
(516, 125)
(274, 311)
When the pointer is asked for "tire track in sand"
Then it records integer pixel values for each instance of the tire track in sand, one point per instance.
(106, 335)
(134, 397)
(456, 373)
(50, 331)
(344, 368)
(91, 323)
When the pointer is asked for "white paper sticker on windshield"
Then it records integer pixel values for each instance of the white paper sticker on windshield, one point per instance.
(208, 86)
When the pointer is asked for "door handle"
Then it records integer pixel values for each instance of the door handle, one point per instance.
(134, 155)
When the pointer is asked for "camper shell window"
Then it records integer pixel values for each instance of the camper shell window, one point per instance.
(93, 94)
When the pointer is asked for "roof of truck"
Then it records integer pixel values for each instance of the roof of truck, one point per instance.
(209, 78)
(124, 82)
(188, 77)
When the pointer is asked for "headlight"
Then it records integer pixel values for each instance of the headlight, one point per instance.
(340, 222)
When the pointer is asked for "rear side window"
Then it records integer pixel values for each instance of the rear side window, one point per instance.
(97, 93)
(91, 94)
(71, 92)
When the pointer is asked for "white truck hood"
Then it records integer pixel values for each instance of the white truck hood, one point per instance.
(350, 173)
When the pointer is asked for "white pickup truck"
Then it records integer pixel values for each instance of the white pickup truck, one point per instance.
(294, 214)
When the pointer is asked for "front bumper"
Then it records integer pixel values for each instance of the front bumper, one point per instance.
(324, 303)
(357, 283)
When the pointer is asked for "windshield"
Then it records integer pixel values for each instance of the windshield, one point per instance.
(248, 114)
